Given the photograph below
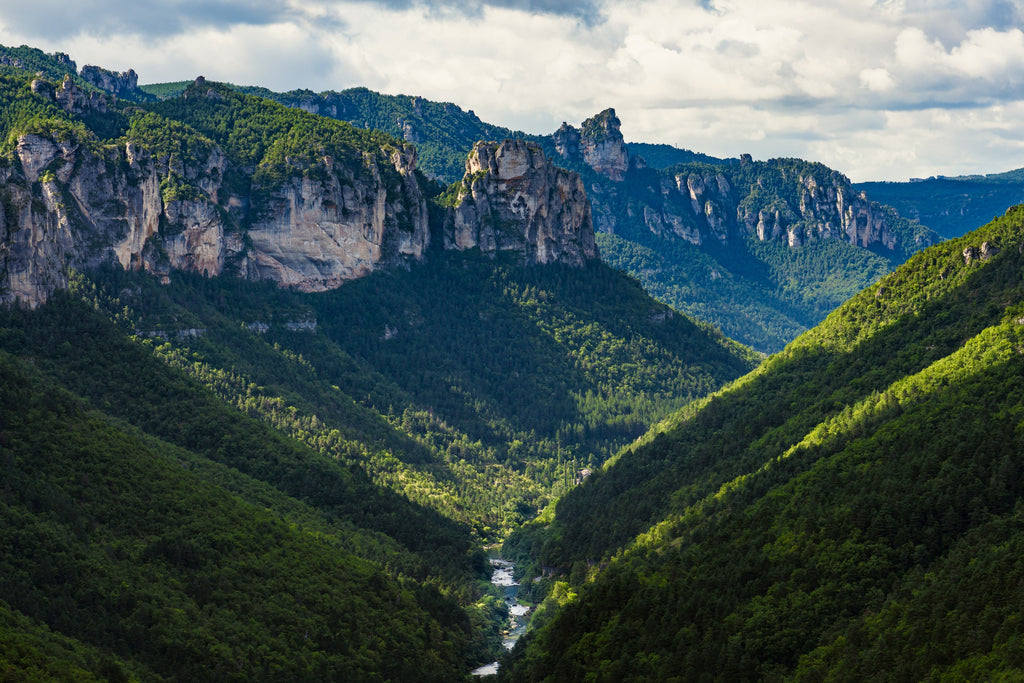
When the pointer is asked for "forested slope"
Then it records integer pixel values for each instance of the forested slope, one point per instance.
(478, 388)
(150, 531)
(652, 225)
(849, 510)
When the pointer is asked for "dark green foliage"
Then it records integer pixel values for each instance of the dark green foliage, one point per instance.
(478, 388)
(951, 206)
(164, 91)
(113, 540)
(760, 294)
(664, 156)
(849, 511)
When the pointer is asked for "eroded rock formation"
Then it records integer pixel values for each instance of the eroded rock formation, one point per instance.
(514, 198)
(69, 205)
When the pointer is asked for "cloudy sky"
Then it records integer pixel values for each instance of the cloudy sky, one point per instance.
(878, 89)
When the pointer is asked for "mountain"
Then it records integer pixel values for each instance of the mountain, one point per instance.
(850, 510)
(762, 250)
(951, 205)
(267, 390)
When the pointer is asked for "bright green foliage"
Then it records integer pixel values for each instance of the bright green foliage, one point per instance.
(278, 142)
(443, 133)
(849, 511)
(21, 110)
(53, 66)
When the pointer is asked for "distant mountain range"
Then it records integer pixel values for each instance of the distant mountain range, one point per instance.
(952, 205)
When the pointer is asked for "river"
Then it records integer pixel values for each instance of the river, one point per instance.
(504, 576)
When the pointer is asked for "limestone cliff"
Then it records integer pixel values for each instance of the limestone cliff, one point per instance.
(513, 198)
(598, 144)
(782, 199)
(71, 202)
(124, 84)
(315, 234)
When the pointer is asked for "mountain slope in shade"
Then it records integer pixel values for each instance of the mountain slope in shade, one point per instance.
(850, 509)
(151, 532)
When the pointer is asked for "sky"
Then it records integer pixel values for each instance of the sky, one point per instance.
(877, 89)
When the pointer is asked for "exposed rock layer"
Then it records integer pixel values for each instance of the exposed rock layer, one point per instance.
(514, 198)
(71, 204)
(67, 205)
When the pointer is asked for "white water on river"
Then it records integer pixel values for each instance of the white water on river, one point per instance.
(504, 576)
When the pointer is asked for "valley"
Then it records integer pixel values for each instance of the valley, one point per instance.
(277, 390)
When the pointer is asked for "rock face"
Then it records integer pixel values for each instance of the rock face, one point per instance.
(807, 202)
(513, 198)
(119, 84)
(786, 200)
(67, 205)
(599, 144)
(316, 234)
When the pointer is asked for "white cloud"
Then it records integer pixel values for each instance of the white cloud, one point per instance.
(876, 88)
(877, 80)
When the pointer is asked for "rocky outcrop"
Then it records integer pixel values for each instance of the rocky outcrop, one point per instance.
(67, 204)
(513, 198)
(785, 200)
(69, 97)
(120, 84)
(598, 144)
(315, 234)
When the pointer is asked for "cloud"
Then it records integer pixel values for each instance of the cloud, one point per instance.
(877, 80)
(587, 11)
(844, 83)
(51, 19)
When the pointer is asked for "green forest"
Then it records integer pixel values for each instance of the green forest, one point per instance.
(848, 511)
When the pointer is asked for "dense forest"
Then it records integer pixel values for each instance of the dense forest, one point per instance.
(212, 478)
(849, 510)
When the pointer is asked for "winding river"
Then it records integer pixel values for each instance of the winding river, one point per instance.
(504, 576)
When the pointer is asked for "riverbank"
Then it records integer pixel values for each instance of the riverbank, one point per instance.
(504, 577)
